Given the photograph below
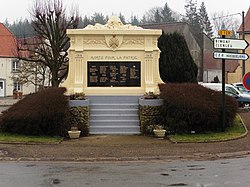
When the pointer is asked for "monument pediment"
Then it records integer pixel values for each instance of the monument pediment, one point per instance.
(113, 23)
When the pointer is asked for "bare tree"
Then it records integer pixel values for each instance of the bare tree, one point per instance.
(222, 20)
(34, 73)
(50, 22)
(30, 69)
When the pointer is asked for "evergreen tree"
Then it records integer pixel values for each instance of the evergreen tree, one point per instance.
(107, 18)
(122, 18)
(192, 16)
(204, 20)
(144, 19)
(6, 23)
(98, 18)
(21, 28)
(84, 22)
(166, 14)
(134, 20)
(157, 16)
(176, 63)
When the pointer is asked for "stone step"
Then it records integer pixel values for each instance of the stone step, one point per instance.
(114, 111)
(114, 99)
(114, 130)
(114, 117)
(115, 122)
(114, 106)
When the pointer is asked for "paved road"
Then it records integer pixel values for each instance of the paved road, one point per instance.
(219, 173)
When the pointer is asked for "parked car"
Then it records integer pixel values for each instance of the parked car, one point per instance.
(240, 87)
(242, 98)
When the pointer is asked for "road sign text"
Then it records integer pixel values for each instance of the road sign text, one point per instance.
(224, 43)
(230, 56)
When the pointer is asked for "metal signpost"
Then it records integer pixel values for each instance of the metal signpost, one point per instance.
(224, 43)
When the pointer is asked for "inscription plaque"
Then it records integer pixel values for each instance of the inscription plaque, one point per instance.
(117, 74)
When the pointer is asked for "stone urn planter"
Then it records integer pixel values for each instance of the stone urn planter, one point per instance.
(74, 133)
(159, 133)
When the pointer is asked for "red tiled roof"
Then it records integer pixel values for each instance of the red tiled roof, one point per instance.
(7, 43)
(28, 45)
(231, 65)
(247, 22)
(209, 62)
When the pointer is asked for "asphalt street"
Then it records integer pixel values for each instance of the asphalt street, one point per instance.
(218, 173)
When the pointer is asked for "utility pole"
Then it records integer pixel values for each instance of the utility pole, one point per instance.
(202, 56)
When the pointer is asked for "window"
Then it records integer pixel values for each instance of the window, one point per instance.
(232, 90)
(17, 86)
(15, 65)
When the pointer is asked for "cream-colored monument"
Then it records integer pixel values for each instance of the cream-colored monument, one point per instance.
(113, 59)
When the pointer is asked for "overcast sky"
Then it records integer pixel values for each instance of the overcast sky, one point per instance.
(17, 9)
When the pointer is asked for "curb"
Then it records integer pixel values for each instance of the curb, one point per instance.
(197, 157)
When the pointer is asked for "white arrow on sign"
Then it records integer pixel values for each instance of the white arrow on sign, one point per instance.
(224, 43)
(230, 56)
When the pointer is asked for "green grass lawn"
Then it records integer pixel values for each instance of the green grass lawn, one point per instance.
(235, 131)
(7, 137)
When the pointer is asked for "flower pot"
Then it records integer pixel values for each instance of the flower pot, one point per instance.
(20, 95)
(74, 134)
(15, 94)
(159, 133)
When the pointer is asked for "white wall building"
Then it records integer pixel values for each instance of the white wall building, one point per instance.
(9, 64)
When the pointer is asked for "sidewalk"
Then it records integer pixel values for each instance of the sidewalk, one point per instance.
(6, 102)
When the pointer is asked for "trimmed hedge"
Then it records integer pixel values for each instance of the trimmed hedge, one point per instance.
(42, 113)
(191, 107)
(79, 117)
(149, 117)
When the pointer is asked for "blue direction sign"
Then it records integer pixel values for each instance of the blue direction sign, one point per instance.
(246, 81)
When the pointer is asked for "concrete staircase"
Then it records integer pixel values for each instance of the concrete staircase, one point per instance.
(114, 115)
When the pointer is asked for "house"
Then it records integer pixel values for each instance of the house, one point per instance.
(9, 65)
(238, 74)
(201, 49)
(194, 44)
(213, 67)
